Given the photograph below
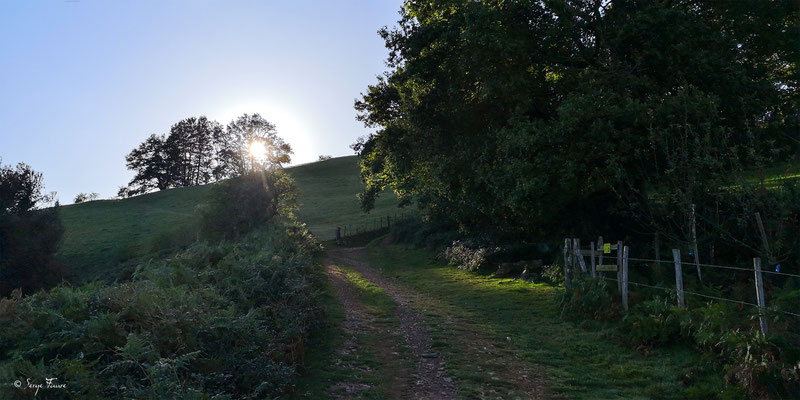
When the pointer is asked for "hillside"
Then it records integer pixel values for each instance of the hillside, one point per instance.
(327, 193)
(100, 235)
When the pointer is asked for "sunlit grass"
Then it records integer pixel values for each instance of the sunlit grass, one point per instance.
(587, 361)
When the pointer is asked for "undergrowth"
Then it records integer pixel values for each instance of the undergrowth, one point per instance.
(219, 321)
(754, 365)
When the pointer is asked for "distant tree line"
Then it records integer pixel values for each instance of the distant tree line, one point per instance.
(537, 117)
(197, 151)
(29, 232)
(84, 197)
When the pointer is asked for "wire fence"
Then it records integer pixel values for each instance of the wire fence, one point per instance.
(766, 271)
(574, 263)
(370, 225)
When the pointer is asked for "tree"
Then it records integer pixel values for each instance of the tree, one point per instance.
(235, 155)
(185, 157)
(153, 170)
(189, 150)
(83, 197)
(529, 117)
(198, 151)
(29, 236)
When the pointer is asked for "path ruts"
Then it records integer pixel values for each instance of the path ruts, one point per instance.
(431, 380)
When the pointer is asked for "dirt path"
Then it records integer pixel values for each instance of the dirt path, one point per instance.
(516, 378)
(430, 380)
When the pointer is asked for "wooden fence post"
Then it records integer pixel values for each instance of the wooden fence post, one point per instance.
(657, 246)
(760, 294)
(566, 262)
(594, 266)
(764, 241)
(676, 256)
(388, 222)
(625, 278)
(576, 249)
(600, 247)
(338, 234)
(694, 243)
(619, 265)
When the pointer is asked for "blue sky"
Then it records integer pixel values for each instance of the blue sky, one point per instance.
(83, 82)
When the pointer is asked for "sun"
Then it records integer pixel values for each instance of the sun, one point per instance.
(258, 150)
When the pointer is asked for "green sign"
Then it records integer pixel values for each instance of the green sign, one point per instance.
(607, 248)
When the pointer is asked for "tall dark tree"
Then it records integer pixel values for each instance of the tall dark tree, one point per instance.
(151, 165)
(528, 116)
(29, 236)
(190, 151)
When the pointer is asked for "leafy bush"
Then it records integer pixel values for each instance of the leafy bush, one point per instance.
(587, 297)
(553, 273)
(653, 322)
(214, 321)
(761, 365)
(241, 204)
(465, 255)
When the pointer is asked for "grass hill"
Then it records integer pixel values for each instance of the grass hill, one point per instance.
(327, 192)
(101, 235)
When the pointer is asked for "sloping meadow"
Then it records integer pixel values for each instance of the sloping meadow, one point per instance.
(214, 321)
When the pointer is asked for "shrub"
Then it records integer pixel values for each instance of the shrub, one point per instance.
(587, 297)
(241, 204)
(214, 321)
(465, 255)
(653, 322)
(553, 273)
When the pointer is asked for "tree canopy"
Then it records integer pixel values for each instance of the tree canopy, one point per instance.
(522, 116)
(198, 151)
(29, 233)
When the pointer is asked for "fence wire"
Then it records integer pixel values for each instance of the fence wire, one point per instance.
(766, 271)
(701, 295)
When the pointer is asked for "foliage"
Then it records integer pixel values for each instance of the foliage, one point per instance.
(588, 296)
(241, 204)
(236, 141)
(464, 256)
(29, 236)
(653, 322)
(727, 335)
(84, 197)
(214, 321)
(324, 157)
(199, 151)
(530, 116)
(553, 273)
